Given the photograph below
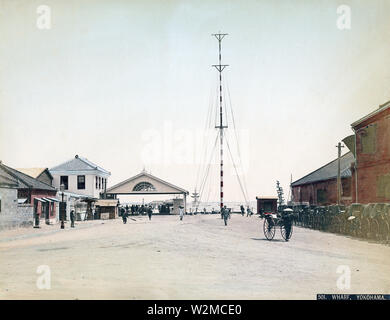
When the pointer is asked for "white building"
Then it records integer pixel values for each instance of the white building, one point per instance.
(80, 176)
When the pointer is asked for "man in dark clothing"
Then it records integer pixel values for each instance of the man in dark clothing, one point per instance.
(242, 210)
(150, 211)
(72, 218)
(124, 215)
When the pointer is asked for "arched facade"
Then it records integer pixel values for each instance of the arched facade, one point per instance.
(143, 184)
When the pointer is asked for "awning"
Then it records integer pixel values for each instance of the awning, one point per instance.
(106, 203)
(22, 200)
(51, 199)
(41, 200)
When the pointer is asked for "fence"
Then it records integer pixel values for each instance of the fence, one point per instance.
(369, 221)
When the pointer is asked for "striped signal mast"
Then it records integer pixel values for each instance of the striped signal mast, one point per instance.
(220, 67)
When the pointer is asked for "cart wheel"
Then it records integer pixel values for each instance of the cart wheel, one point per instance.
(322, 226)
(385, 231)
(336, 225)
(269, 229)
(357, 228)
(286, 231)
(374, 229)
(365, 228)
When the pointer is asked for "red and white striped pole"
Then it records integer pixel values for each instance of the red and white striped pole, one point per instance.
(220, 67)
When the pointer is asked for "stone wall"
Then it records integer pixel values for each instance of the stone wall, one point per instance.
(13, 215)
(9, 201)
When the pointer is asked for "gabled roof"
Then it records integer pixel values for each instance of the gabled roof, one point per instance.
(381, 108)
(328, 171)
(145, 174)
(34, 172)
(24, 180)
(6, 180)
(78, 164)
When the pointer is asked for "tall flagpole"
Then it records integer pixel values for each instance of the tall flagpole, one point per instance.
(220, 67)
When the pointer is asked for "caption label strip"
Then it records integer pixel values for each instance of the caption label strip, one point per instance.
(353, 296)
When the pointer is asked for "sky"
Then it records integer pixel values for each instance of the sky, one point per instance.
(129, 85)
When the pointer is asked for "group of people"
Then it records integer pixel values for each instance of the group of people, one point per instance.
(248, 211)
(125, 212)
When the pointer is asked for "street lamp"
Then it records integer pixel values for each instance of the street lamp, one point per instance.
(62, 207)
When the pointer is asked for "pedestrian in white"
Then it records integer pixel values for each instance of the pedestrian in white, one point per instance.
(181, 212)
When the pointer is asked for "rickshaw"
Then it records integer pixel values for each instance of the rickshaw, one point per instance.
(267, 208)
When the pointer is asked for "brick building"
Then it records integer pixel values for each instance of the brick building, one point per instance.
(34, 192)
(320, 186)
(371, 172)
(364, 180)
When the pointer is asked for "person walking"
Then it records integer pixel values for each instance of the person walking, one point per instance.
(248, 212)
(72, 218)
(150, 211)
(225, 214)
(124, 215)
(181, 212)
(242, 210)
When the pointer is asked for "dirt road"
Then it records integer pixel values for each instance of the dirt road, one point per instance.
(197, 258)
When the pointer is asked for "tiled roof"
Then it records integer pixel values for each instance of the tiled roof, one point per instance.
(77, 164)
(32, 172)
(24, 180)
(6, 180)
(328, 171)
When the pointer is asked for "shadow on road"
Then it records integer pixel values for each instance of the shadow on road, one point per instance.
(264, 239)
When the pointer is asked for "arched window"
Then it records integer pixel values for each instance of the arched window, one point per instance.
(144, 186)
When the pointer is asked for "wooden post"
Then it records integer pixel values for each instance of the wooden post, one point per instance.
(339, 146)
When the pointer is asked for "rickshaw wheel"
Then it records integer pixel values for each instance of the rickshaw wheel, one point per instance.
(336, 225)
(286, 231)
(269, 229)
(365, 228)
(357, 228)
(385, 231)
(374, 229)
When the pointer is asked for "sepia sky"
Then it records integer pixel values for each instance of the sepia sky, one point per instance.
(128, 84)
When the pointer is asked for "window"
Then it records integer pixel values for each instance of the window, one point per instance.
(322, 196)
(80, 182)
(144, 186)
(64, 181)
(96, 182)
(100, 183)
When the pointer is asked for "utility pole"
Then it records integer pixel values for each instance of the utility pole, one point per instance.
(339, 146)
(195, 196)
(220, 67)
